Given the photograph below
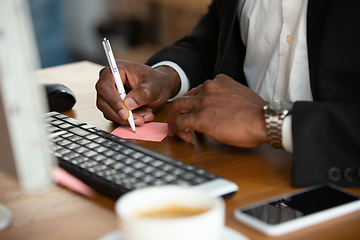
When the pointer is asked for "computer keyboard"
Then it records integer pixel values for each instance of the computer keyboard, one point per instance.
(113, 166)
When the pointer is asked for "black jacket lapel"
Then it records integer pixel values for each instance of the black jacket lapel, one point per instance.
(316, 16)
(231, 51)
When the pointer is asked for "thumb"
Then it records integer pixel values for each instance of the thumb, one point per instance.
(130, 103)
(139, 96)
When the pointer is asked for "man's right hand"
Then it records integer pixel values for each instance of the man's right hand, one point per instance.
(147, 89)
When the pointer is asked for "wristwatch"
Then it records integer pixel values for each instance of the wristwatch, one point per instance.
(275, 112)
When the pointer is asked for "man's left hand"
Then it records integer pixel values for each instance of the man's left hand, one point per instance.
(223, 109)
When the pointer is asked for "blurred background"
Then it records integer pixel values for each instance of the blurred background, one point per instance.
(72, 30)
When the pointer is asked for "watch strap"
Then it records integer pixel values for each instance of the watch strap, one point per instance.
(274, 130)
(275, 113)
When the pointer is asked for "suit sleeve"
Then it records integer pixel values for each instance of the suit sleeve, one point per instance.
(326, 139)
(196, 53)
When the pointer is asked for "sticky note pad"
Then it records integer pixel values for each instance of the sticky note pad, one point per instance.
(152, 131)
(66, 179)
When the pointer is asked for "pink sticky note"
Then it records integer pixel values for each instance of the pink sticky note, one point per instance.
(66, 179)
(152, 131)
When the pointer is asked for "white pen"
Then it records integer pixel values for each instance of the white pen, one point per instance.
(115, 72)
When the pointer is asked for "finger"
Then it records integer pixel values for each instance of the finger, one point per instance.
(186, 136)
(144, 94)
(106, 89)
(108, 111)
(184, 124)
(183, 105)
(143, 115)
(140, 116)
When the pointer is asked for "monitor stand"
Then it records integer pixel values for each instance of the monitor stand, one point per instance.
(5, 217)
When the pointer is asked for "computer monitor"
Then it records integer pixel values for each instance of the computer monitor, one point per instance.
(24, 146)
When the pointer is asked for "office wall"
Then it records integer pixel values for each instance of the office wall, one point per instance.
(81, 19)
(79, 26)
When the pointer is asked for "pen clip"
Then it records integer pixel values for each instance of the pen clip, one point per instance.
(109, 55)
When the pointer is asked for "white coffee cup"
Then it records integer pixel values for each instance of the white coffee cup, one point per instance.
(144, 214)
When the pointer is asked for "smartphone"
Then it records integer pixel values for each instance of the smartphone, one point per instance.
(297, 210)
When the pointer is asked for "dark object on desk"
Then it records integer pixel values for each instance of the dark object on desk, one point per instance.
(113, 166)
(60, 98)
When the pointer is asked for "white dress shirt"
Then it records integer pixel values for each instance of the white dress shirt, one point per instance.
(276, 61)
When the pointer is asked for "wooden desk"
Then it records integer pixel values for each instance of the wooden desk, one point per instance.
(59, 213)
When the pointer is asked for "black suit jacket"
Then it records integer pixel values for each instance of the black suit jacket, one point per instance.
(326, 132)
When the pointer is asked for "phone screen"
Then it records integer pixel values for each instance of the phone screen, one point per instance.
(302, 204)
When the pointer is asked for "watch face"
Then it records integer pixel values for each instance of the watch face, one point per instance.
(280, 105)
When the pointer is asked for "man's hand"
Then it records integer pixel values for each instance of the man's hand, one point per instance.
(223, 109)
(147, 89)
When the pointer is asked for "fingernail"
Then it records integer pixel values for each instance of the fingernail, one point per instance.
(148, 117)
(130, 103)
(123, 113)
(138, 121)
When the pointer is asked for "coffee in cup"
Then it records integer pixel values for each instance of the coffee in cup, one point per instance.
(170, 213)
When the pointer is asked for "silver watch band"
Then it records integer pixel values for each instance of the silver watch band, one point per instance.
(274, 130)
(274, 113)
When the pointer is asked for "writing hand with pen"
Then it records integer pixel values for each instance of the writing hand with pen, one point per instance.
(147, 89)
(221, 108)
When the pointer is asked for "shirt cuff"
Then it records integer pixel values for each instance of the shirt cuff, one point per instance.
(286, 133)
(185, 85)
